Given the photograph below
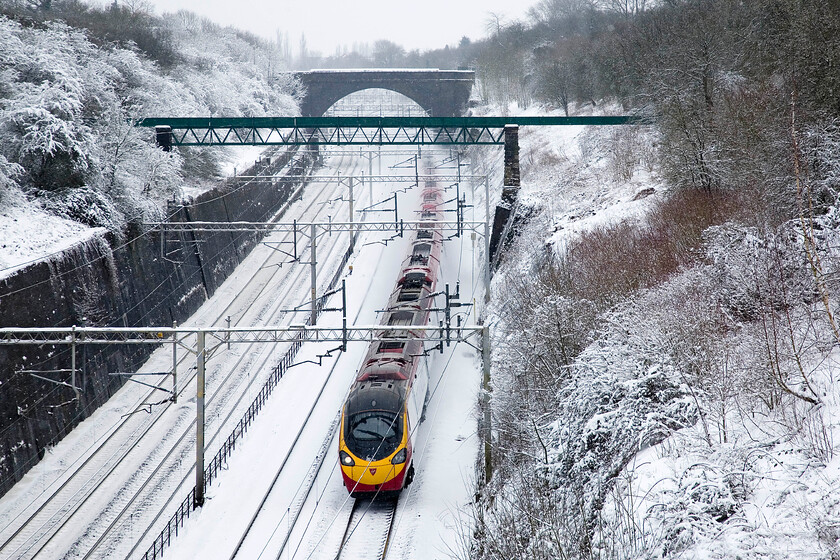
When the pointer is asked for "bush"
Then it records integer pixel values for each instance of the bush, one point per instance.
(86, 206)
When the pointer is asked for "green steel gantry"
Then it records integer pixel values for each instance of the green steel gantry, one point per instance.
(284, 131)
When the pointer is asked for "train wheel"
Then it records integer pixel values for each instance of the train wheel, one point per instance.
(409, 476)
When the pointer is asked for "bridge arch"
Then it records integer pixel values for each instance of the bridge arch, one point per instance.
(375, 102)
(442, 93)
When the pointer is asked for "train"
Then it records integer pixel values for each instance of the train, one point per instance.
(388, 396)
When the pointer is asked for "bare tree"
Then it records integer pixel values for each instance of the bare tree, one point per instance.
(548, 11)
(387, 53)
(626, 8)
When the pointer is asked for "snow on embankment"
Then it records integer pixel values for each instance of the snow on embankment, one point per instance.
(102, 281)
(78, 179)
(690, 413)
(28, 235)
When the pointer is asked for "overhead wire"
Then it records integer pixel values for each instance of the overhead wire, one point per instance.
(414, 428)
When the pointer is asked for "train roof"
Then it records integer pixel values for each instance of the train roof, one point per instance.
(384, 369)
(370, 396)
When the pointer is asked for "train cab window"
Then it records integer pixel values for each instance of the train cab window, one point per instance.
(415, 280)
(430, 196)
(373, 435)
(427, 215)
(411, 285)
(424, 234)
(420, 254)
(422, 249)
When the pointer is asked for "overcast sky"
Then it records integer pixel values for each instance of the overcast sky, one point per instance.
(414, 24)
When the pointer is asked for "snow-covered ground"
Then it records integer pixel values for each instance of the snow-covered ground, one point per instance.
(29, 234)
(446, 446)
(428, 521)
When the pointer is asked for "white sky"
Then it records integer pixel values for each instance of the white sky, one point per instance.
(418, 24)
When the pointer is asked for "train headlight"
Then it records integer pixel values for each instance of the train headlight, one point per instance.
(399, 458)
(346, 459)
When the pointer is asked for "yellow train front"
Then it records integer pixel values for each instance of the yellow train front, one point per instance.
(390, 392)
(375, 439)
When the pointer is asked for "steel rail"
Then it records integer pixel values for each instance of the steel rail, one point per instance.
(318, 464)
(272, 309)
(298, 340)
(224, 423)
(364, 520)
(187, 433)
(116, 429)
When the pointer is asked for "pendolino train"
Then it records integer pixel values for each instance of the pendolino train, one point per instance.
(386, 400)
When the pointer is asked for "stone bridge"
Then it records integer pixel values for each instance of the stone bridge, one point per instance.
(442, 93)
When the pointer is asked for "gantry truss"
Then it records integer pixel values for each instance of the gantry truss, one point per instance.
(444, 334)
(339, 131)
(318, 227)
(234, 335)
(363, 178)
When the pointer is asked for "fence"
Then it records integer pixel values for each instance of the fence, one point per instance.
(177, 521)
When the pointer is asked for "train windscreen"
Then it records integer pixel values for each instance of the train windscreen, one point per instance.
(373, 435)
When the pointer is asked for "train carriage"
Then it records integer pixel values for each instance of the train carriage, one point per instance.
(386, 401)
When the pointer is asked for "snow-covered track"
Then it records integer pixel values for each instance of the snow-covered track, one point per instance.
(33, 535)
(271, 312)
(368, 531)
(304, 499)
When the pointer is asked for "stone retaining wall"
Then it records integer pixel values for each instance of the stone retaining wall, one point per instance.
(103, 282)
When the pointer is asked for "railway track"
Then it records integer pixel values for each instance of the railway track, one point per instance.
(297, 528)
(316, 518)
(368, 531)
(300, 503)
(35, 531)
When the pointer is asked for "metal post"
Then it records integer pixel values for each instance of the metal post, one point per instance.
(344, 314)
(370, 168)
(448, 315)
(487, 275)
(458, 208)
(73, 364)
(352, 227)
(485, 398)
(174, 362)
(199, 420)
(163, 137)
(294, 240)
(314, 308)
